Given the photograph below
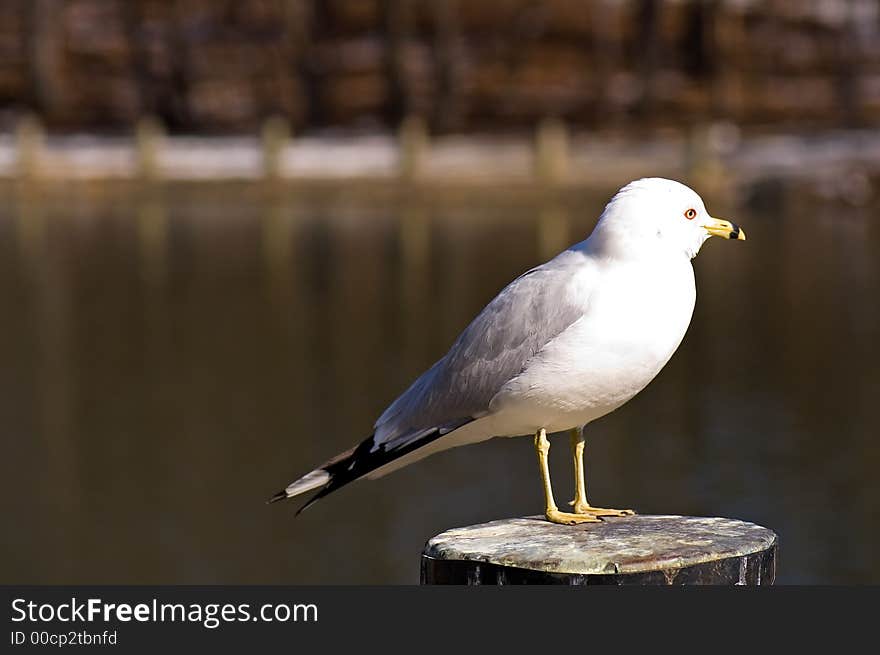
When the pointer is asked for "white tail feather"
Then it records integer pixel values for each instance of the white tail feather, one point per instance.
(313, 480)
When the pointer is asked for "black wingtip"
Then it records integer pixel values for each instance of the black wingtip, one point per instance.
(313, 499)
(281, 495)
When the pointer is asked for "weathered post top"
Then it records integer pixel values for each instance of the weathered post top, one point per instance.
(640, 550)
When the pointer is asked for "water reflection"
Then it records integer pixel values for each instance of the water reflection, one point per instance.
(174, 355)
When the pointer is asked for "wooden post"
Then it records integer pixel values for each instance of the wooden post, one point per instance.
(412, 146)
(149, 139)
(30, 143)
(703, 165)
(631, 550)
(152, 214)
(551, 152)
(551, 169)
(274, 136)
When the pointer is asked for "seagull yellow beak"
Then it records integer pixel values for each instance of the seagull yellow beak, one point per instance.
(720, 228)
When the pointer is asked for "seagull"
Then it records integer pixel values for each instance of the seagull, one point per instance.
(562, 345)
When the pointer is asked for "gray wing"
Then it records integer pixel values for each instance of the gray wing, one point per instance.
(527, 314)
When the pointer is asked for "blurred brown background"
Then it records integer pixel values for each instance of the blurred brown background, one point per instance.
(215, 67)
(232, 232)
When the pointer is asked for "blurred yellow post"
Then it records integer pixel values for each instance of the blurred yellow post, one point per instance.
(31, 224)
(551, 152)
(413, 143)
(149, 138)
(274, 137)
(703, 165)
(30, 143)
(277, 227)
(551, 169)
(152, 216)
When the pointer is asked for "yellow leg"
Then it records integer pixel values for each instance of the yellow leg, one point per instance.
(580, 503)
(551, 511)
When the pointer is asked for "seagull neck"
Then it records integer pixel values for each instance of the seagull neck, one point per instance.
(622, 248)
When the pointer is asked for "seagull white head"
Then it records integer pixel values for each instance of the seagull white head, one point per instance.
(655, 216)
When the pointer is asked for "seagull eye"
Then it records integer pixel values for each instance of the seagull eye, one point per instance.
(690, 214)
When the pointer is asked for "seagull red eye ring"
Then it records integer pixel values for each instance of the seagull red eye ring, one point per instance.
(690, 214)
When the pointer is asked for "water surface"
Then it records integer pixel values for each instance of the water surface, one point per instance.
(174, 356)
